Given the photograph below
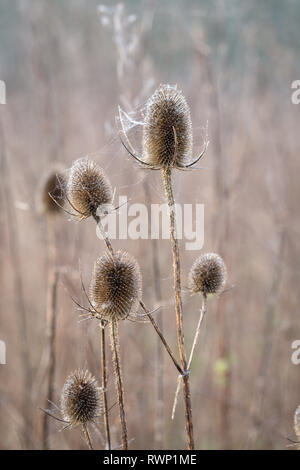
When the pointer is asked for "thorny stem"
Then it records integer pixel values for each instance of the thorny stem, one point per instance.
(118, 377)
(104, 387)
(87, 436)
(156, 327)
(167, 180)
(103, 233)
(202, 314)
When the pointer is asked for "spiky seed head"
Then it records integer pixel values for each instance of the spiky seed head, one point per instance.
(116, 285)
(80, 398)
(88, 187)
(297, 422)
(208, 274)
(50, 194)
(167, 132)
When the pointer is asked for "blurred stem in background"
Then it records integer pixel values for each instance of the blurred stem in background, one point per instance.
(264, 367)
(20, 309)
(159, 420)
(223, 243)
(51, 305)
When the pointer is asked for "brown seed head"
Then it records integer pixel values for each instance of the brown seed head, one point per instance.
(88, 187)
(80, 398)
(116, 284)
(167, 133)
(52, 183)
(208, 274)
(297, 422)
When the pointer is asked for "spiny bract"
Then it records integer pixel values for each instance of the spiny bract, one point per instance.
(208, 274)
(88, 188)
(115, 288)
(50, 195)
(167, 131)
(80, 398)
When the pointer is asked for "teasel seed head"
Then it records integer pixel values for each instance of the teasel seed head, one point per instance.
(88, 188)
(80, 398)
(297, 422)
(208, 274)
(167, 132)
(50, 194)
(116, 286)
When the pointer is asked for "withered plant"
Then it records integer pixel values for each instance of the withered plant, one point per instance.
(167, 145)
(115, 291)
(207, 276)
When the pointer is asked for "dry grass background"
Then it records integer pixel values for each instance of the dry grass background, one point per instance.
(65, 79)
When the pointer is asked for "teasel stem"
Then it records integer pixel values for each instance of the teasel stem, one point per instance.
(104, 387)
(153, 322)
(196, 337)
(167, 347)
(103, 233)
(167, 180)
(52, 282)
(118, 376)
(87, 436)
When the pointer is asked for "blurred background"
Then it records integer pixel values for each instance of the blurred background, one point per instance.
(67, 66)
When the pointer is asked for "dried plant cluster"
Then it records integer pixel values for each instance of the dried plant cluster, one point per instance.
(208, 274)
(88, 188)
(64, 82)
(116, 284)
(167, 145)
(81, 398)
(115, 291)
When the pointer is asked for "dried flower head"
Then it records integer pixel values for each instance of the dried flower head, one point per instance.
(115, 288)
(88, 188)
(208, 274)
(297, 422)
(167, 132)
(80, 398)
(50, 195)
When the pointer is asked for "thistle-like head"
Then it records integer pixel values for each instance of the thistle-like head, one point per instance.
(167, 131)
(208, 274)
(115, 288)
(88, 188)
(80, 398)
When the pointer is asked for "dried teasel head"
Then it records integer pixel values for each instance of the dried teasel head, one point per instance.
(80, 398)
(167, 131)
(88, 188)
(116, 285)
(297, 422)
(208, 274)
(50, 194)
